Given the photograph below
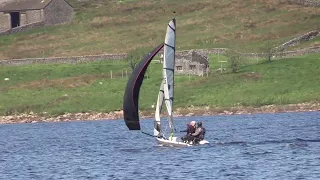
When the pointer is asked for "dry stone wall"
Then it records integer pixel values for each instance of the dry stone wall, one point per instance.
(74, 59)
(180, 54)
(22, 28)
(300, 52)
(23, 19)
(33, 16)
(306, 37)
(262, 55)
(4, 22)
(313, 3)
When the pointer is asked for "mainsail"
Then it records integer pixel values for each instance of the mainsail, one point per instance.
(168, 70)
(157, 127)
(131, 95)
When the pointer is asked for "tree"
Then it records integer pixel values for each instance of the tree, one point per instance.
(270, 50)
(135, 56)
(235, 60)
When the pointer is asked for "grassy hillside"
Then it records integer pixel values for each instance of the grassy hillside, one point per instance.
(57, 89)
(114, 26)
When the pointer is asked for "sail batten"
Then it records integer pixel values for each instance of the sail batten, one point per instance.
(131, 95)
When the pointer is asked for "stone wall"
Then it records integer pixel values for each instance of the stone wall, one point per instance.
(306, 37)
(299, 52)
(22, 28)
(65, 12)
(23, 19)
(74, 59)
(33, 16)
(312, 3)
(4, 21)
(181, 54)
(203, 51)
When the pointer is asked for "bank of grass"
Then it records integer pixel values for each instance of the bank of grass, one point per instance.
(106, 26)
(57, 89)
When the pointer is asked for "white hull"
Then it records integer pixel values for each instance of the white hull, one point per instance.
(174, 143)
(203, 142)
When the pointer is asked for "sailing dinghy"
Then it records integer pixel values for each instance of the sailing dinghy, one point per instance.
(166, 93)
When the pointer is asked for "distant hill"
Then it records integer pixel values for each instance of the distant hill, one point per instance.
(114, 26)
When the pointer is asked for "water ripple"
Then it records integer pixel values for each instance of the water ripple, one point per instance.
(262, 146)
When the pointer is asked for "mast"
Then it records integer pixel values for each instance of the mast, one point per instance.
(168, 70)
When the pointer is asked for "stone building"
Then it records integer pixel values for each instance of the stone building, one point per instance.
(193, 62)
(19, 13)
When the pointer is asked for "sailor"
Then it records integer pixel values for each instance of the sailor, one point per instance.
(199, 134)
(190, 129)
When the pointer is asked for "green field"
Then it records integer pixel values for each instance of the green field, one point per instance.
(114, 26)
(61, 88)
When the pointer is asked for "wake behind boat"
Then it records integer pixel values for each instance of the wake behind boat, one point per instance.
(164, 136)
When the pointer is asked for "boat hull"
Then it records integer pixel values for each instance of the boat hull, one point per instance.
(174, 143)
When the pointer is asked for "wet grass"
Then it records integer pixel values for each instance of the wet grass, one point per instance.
(120, 26)
(60, 88)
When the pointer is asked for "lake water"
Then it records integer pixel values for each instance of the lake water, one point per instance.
(261, 146)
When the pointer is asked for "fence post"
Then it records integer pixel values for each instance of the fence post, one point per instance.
(111, 74)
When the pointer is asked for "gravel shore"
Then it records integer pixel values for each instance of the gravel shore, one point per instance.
(189, 111)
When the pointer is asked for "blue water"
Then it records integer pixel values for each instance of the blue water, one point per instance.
(262, 146)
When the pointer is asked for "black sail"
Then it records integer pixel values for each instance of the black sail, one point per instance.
(131, 95)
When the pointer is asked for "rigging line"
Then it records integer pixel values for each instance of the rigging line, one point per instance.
(143, 126)
(166, 128)
(148, 134)
(154, 135)
(171, 124)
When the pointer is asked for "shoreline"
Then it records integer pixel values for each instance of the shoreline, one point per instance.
(179, 112)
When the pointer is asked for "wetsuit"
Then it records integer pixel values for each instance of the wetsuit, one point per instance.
(190, 129)
(198, 135)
